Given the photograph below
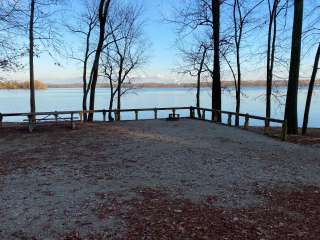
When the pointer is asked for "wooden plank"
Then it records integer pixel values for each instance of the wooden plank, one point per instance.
(155, 113)
(246, 122)
(192, 112)
(229, 119)
(284, 131)
(104, 116)
(243, 115)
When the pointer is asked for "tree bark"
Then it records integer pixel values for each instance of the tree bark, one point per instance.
(291, 115)
(272, 34)
(216, 76)
(310, 91)
(238, 38)
(119, 87)
(84, 76)
(103, 13)
(31, 59)
(199, 80)
(111, 119)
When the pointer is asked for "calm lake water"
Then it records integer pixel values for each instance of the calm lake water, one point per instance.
(253, 101)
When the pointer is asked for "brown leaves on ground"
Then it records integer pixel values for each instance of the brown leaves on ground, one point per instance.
(287, 215)
(312, 138)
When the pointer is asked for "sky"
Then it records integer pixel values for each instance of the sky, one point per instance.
(161, 52)
(163, 56)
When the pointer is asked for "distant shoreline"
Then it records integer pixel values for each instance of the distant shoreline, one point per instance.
(225, 84)
(13, 85)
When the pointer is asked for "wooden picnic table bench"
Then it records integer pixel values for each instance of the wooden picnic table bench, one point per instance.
(48, 119)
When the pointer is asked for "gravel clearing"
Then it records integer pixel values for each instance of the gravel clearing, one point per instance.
(90, 183)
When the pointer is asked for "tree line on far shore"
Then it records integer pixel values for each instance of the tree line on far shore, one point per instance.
(212, 36)
(22, 85)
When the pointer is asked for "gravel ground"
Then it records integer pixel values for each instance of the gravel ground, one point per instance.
(61, 184)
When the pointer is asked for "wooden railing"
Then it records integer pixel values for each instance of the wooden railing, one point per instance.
(216, 114)
(136, 112)
(79, 115)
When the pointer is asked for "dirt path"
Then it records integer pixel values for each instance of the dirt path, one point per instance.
(156, 180)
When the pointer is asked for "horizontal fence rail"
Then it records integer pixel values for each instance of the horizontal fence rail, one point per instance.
(217, 113)
(74, 116)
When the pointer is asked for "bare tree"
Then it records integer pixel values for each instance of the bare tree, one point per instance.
(216, 75)
(195, 63)
(10, 53)
(125, 51)
(196, 16)
(102, 17)
(87, 24)
(31, 56)
(291, 115)
(310, 91)
(35, 19)
(311, 36)
(241, 14)
(275, 8)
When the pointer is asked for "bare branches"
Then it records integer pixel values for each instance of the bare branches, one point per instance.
(124, 52)
(10, 53)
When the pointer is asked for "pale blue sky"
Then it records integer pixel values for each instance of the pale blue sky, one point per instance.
(163, 52)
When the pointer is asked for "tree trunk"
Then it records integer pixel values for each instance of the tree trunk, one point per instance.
(119, 102)
(198, 94)
(216, 78)
(112, 94)
(31, 57)
(199, 80)
(238, 90)
(291, 115)
(310, 91)
(84, 76)
(119, 86)
(270, 57)
(103, 12)
(111, 119)
(237, 39)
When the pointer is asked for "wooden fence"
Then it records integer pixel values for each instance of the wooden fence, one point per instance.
(216, 113)
(78, 116)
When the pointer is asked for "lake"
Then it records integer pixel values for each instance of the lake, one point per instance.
(253, 101)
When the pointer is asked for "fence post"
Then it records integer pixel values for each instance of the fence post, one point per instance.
(203, 117)
(56, 117)
(229, 119)
(155, 113)
(136, 114)
(1, 119)
(215, 116)
(81, 116)
(30, 124)
(284, 135)
(104, 113)
(191, 112)
(266, 126)
(118, 115)
(246, 122)
(73, 124)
